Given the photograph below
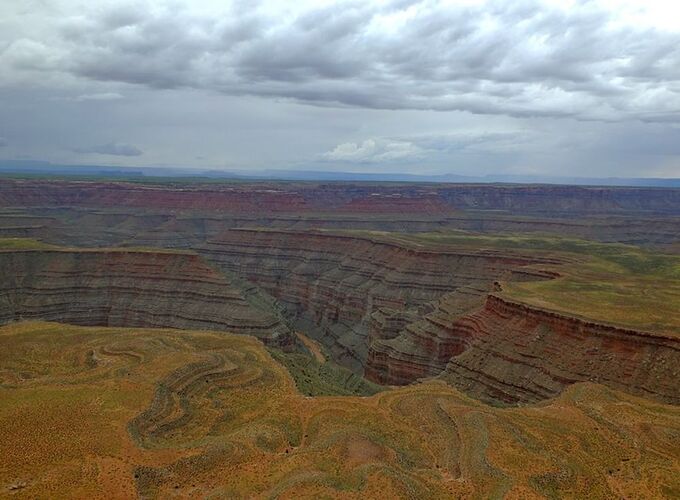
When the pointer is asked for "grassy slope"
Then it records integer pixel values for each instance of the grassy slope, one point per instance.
(24, 244)
(313, 378)
(71, 397)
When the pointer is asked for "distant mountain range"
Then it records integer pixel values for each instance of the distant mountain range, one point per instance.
(40, 168)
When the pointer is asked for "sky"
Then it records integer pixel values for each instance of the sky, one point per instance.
(471, 87)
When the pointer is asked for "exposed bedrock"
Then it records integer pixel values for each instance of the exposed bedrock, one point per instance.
(131, 288)
(332, 284)
(159, 227)
(514, 353)
(403, 349)
(265, 198)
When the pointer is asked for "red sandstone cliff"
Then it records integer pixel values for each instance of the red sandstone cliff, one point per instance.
(514, 353)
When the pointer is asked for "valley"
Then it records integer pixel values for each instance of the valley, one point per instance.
(248, 327)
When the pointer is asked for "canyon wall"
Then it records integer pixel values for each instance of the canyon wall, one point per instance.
(512, 353)
(394, 199)
(331, 284)
(130, 288)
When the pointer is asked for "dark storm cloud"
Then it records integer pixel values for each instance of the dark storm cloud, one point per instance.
(112, 148)
(522, 58)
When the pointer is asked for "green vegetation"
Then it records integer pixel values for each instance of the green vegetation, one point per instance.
(33, 244)
(630, 289)
(24, 244)
(313, 378)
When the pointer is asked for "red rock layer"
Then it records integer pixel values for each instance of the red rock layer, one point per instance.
(336, 282)
(128, 288)
(514, 353)
(263, 198)
(401, 352)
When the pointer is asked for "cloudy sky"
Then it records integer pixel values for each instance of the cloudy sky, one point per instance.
(586, 88)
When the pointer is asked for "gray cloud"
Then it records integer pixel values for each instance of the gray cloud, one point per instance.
(523, 58)
(497, 86)
(102, 96)
(112, 148)
(3, 142)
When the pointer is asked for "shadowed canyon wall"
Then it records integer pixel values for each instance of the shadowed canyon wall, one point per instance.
(129, 288)
(331, 284)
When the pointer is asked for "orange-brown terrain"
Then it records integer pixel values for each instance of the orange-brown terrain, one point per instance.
(410, 340)
(116, 412)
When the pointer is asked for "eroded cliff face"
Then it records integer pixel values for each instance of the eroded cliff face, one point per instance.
(403, 349)
(513, 353)
(331, 284)
(130, 288)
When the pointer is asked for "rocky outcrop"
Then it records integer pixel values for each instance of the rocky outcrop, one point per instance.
(130, 288)
(401, 352)
(502, 351)
(331, 284)
(515, 353)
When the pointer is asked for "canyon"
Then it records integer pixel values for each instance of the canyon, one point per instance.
(339, 339)
(334, 261)
(129, 288)
(267, 197)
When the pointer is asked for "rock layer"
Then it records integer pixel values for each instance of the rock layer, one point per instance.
(334, 283)
(265, 198)
(129, 288)
(402, 351)
(515, 353)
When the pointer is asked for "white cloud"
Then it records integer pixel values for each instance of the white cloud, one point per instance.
(374, 151)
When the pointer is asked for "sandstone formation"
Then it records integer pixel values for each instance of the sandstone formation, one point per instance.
(404, 349)
(331, 284)
(394, 308)
(130, 288)
(509, 352)
(517, 353)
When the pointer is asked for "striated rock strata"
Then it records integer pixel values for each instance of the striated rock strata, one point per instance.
(332, 284)
(130, 288)
(517, 353)
(402, 351)
(511, 353)
(349, 197)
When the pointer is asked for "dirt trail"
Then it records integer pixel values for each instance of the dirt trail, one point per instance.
(313, 346)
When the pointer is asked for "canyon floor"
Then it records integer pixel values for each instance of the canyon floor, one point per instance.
(222, 340)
